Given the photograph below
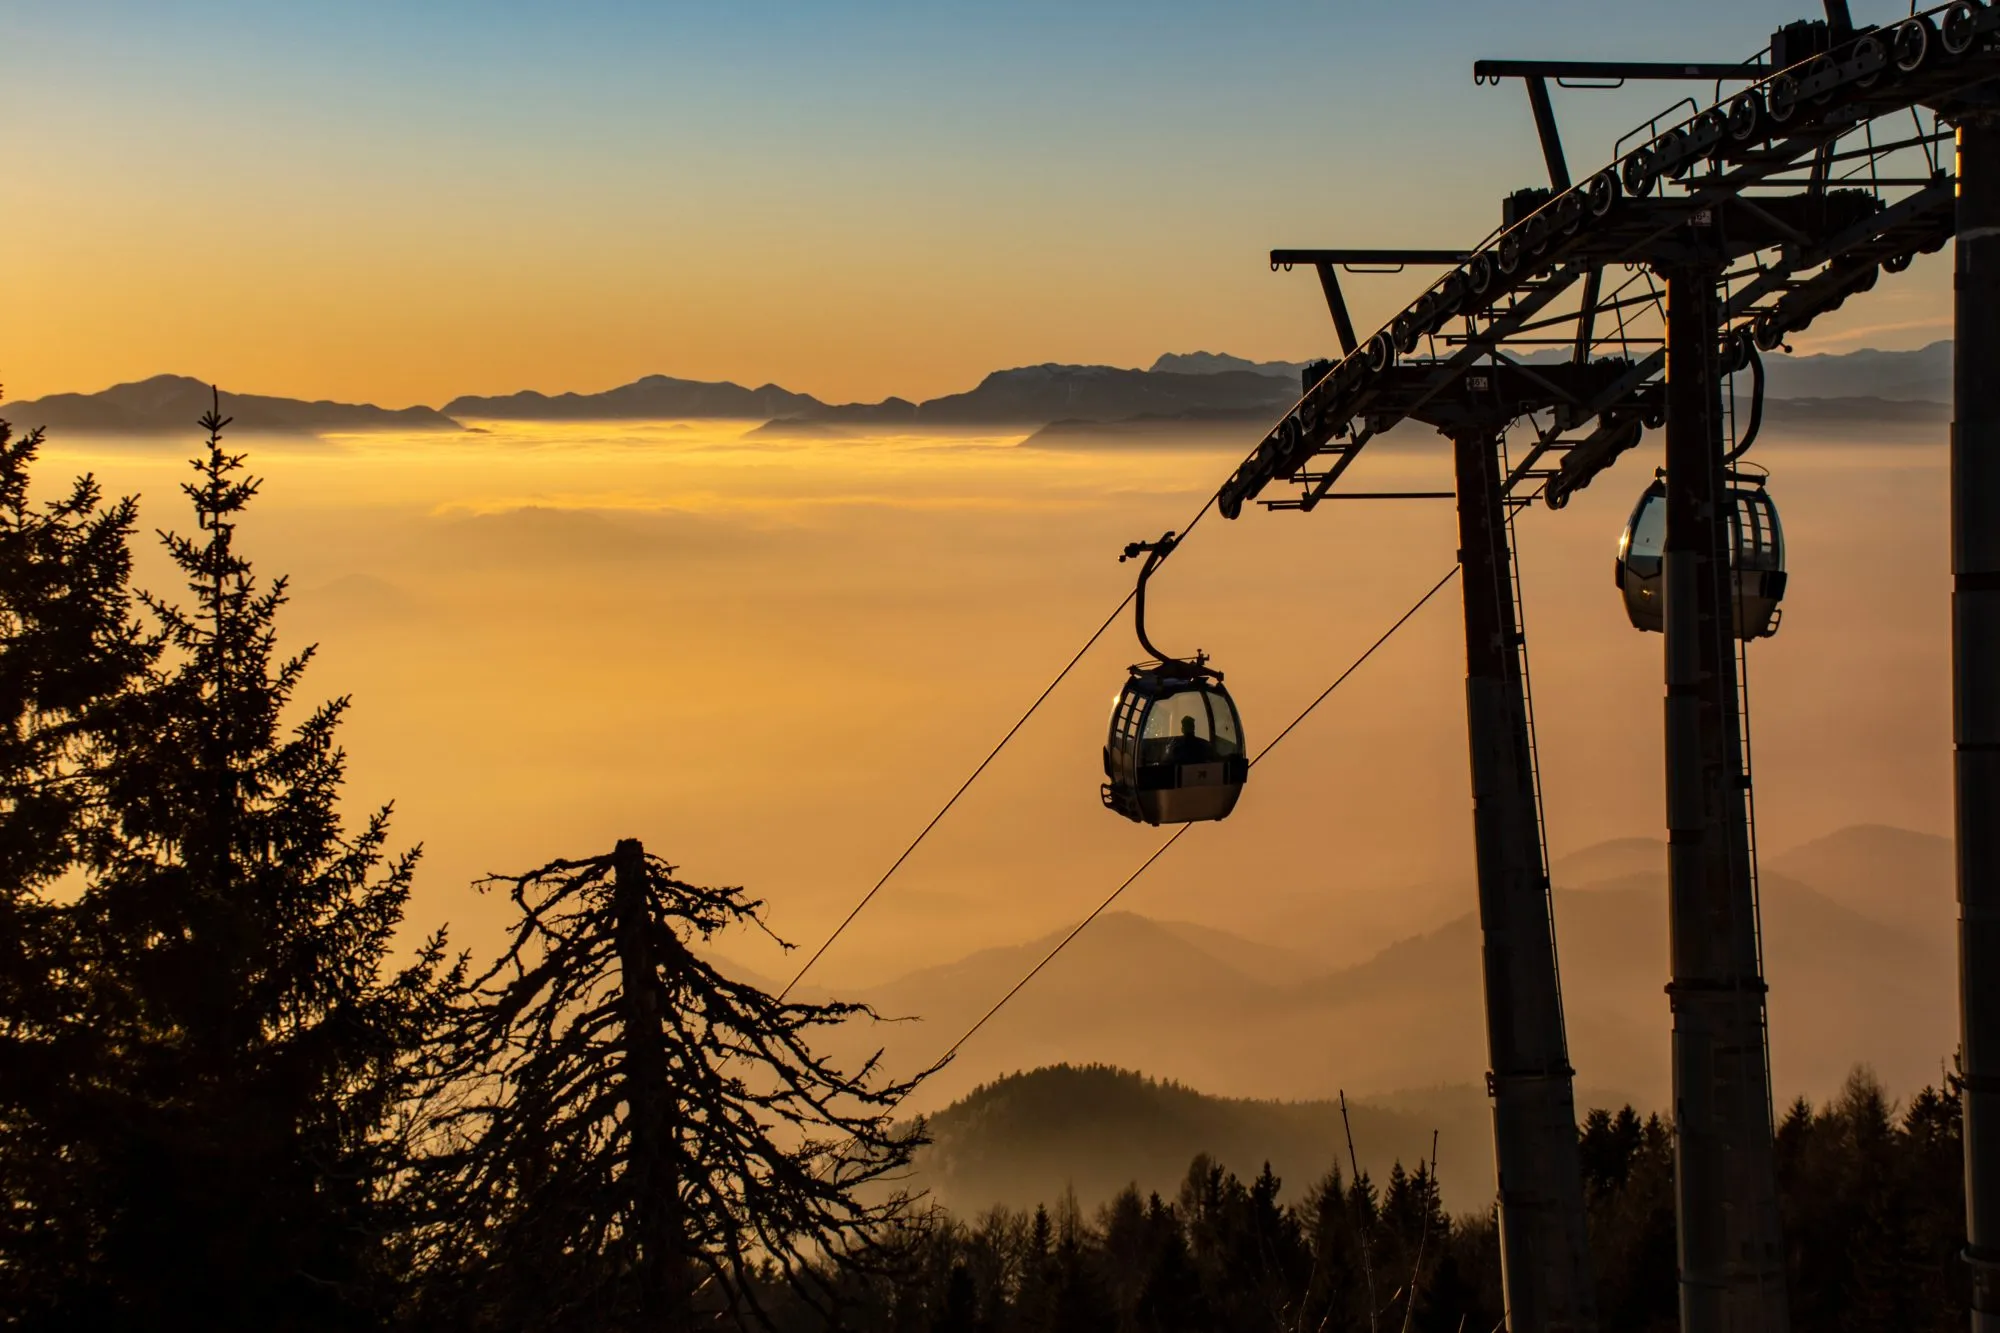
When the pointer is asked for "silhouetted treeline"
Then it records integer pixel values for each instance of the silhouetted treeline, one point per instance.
(1222, 1254)
(1873, 1201)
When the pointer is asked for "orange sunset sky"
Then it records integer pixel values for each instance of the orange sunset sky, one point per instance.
(402, 203)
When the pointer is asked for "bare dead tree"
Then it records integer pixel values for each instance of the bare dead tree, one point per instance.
(624, 1136)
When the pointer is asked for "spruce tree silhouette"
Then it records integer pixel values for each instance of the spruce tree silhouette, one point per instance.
(238, 937)
(625, 1137)
(69, 651)
(1226, 1255)
(1171, 1299)
(1873, 1217)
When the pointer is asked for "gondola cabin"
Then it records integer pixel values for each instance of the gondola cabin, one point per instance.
(1756, 558)
(1175, 750)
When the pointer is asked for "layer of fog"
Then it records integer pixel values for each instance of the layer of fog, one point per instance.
(772, 659)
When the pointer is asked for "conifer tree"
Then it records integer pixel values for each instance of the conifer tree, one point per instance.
(69, 651)
(239, 937)
(1874, 1211)
(1628, 1180)
(1172, 1300)
(69, 648)
(625, 1136)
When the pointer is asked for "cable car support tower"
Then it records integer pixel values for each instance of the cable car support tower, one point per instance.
(1734, 225)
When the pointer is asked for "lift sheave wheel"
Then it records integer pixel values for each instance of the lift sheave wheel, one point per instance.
(1756, 559)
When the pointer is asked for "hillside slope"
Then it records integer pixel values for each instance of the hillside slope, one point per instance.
(1204, 1009)
(1026, 1138)
(1902, 877)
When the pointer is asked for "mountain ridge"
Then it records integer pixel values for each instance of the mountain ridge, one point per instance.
(1066, 404)
(1018, 396)
(650, 396)
(1854, 978)
(1064, 1111)
(174, 402)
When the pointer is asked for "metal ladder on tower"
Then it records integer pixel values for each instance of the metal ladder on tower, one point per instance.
(1749, 784)
(1520, 649)
(1750, 834)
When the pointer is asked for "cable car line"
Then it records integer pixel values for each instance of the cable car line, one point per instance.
(1050, 956)
(1175, 836)
(963, 787)
(1436, 588)
(994, 753)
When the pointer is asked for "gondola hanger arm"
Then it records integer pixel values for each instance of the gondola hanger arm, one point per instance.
(1155, 552)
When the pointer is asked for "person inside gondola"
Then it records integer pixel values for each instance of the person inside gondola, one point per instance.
(1189, 747)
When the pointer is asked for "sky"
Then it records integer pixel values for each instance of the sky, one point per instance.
(772, 658)
(401, 203)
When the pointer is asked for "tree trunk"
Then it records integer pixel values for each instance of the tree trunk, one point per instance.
(653, 1169)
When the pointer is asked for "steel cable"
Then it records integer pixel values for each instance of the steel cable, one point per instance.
(945, 809)
(991, 755)
(876, 888)
(1176, 835)
(1172, 838)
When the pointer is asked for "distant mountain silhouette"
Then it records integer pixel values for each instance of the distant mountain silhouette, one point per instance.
(1204, 1008)
(1923, 375)
(1835, 394)
(1024, 396)
(1210, 363)
(1191, 396)
(1025, 1138)
(1037, 395)
(1266, 961)
(1867, 381)
(1845, 988)
(1866, 376)
(1901, 877)
(172, 402)
(656, 397)
(1896, 875)
(1859, 965)
(1611, 859)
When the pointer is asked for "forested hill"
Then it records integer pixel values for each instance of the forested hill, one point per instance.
(1095, 1129)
